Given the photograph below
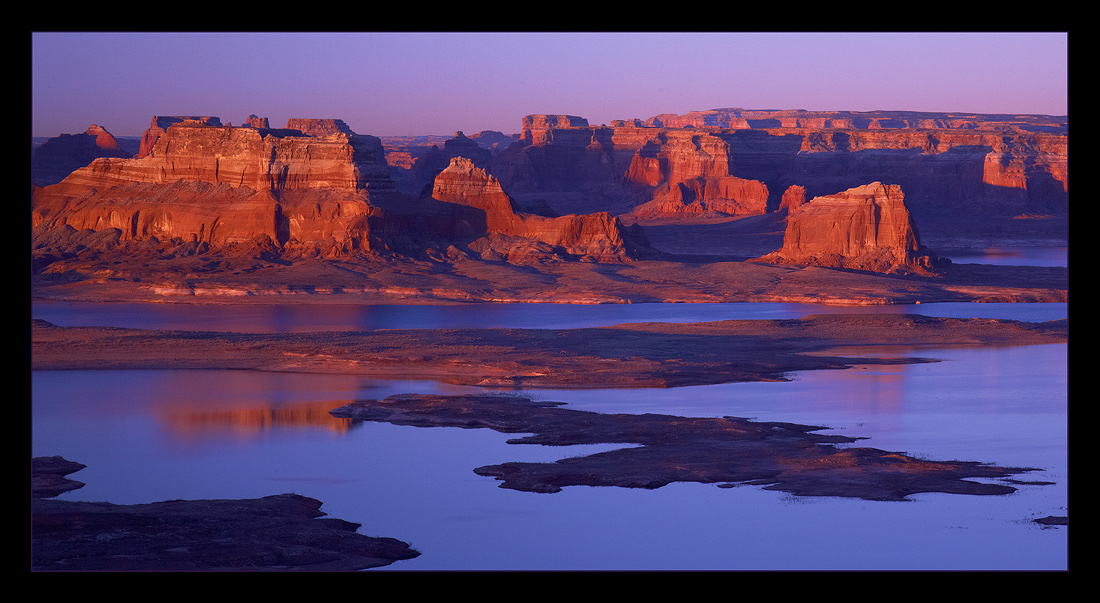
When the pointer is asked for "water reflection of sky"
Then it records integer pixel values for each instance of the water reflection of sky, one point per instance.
(1013, 256)
(158, 435)
(275, 318)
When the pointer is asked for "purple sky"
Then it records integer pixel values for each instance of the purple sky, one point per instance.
(437, 83)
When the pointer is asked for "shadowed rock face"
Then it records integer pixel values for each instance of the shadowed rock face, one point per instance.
(56, 158)
(680, 166)
(724, 451)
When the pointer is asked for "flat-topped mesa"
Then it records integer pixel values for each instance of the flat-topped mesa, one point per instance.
(159, 125)
(204, 182)
(597, 237)
(863, 228)
(683, 165)
(308, 154)
(319, 127)
(256, 122)
(540, 129)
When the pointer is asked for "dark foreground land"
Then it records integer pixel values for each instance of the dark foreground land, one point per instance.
(662, 449)
(284, 532)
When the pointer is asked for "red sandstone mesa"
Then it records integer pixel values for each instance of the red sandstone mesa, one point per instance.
(725, 161)
(207, 183)
(598, 236)
(314, 188)
(866, 228)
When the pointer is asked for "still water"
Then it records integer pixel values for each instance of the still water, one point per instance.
(159, 435)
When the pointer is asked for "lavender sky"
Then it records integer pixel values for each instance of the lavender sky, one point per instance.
(436, 83)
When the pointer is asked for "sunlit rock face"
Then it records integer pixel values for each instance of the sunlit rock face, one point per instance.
(865, 228)
(313, 188)
(598, 236)
(198, 180)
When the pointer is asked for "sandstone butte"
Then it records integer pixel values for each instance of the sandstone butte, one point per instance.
(314, 188)
(864, 228)
(565, 190)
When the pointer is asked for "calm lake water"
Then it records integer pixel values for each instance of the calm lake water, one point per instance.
(158, 435)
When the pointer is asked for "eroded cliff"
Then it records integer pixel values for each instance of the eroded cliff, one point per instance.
(734, 162)
(508, 233)
(312, 189)
(203, 182)
(864, 228)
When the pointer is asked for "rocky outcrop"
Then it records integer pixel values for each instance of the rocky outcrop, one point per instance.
(58, 157)
(256, 122)
(507, 233)
(745, 119)
(688, 174)
(160, 124)
(864, 228)
(208, 183)
(434, 160)
(312, 189)
(48, 476)
(707, 161)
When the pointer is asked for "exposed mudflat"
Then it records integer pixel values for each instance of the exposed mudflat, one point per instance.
(167, 275)
(666, 449)
(629, 355)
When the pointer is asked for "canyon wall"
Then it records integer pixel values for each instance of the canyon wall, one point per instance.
(736, 162)
(314, 188)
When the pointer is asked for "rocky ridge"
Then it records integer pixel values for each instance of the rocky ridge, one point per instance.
(564, 190)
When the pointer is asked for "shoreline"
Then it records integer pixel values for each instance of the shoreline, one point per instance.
(632, 355)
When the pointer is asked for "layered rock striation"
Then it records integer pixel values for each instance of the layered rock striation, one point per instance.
(864, 228)
(203, 182)
(747, 119)
(312, 189)
(501, 231)
(736, 162)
